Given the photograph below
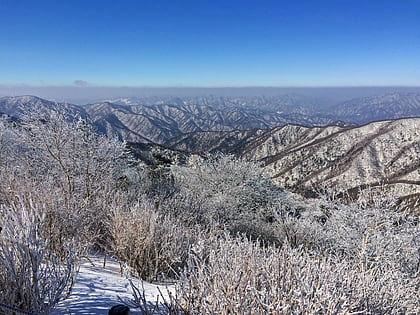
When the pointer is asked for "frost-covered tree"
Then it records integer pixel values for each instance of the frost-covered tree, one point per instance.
(74, 171)
(375, 230)
(228, 192)
(32, 277)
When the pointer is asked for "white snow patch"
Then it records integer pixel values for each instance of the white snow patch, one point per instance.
(97, 289)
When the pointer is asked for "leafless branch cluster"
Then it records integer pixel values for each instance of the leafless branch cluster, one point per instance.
(32, 277)
(155, 245)
(235, 275)
(329, 256)
(57, 177)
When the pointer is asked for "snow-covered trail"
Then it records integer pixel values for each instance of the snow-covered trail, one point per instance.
(97, 289)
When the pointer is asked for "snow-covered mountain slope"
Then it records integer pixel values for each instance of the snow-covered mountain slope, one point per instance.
(161, 122)
(25, 106)
(388, 106)
(157, 119)
(306, 158)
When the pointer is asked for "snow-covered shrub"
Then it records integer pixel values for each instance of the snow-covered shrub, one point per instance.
(336, 257)
(237, 276)
(32, 277)
(374, 230)
(226, 191)
(7, 144)
(74, 171)
(154, 245)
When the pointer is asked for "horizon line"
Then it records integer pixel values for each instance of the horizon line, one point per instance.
(203, 86)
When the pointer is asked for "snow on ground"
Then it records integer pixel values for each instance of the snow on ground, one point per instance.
(97, 289)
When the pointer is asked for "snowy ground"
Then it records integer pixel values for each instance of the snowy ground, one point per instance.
(97, 289)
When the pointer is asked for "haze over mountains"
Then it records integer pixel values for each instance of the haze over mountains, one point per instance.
(388, 106)
(158, 119)
(162, 121)
(302, 143)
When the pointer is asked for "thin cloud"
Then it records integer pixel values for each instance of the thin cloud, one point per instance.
(81, 83)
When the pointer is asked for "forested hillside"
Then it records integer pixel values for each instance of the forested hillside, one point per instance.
(219, 227)
(158, 119)
(306, 159)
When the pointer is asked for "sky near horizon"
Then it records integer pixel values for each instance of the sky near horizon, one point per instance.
(210, 43)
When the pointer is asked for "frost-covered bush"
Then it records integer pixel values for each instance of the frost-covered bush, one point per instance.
(7, 143)
(32, 277)
(336, 257)
(375, 231)
(154, 245)
(75, 172)
(226, 191)
(237, 276)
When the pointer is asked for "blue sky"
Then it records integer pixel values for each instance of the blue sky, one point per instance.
(210, 43)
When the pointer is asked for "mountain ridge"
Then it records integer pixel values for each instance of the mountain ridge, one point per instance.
(299, 157)
(305, 158)
(160, 119)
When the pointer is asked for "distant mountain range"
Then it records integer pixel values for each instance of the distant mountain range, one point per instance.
(159, 119)
(389, 106)
(161, 122)
(302, 147)
(26, 106)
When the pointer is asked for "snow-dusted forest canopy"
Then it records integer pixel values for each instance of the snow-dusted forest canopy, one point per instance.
(219, 227)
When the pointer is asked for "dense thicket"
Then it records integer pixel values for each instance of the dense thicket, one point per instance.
(59, 178)
(232, 239)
